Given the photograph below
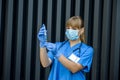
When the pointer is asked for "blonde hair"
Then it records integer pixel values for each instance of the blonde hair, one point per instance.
(76, 22)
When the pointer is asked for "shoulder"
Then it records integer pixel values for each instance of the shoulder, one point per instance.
(87, 48)
(60, 44)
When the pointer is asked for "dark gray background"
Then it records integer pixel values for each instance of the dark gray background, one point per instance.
(20, 21)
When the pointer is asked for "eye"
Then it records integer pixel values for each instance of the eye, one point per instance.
(74, 28)
(68, 27)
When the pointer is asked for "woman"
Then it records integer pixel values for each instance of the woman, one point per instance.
(69, 59)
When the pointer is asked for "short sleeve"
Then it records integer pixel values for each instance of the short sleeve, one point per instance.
(86, 59)
(50, 55)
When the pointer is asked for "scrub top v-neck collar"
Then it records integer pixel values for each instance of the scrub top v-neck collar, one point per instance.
(74, 46)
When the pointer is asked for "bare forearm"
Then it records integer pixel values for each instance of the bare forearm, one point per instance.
(45, 61)
(73, 67)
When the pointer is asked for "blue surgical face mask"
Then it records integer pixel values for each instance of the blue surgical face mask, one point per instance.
(72, 34)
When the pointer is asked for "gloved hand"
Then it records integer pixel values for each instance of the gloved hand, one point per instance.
(62, 52)
(50, 46)
(42, 36)
(58, 53)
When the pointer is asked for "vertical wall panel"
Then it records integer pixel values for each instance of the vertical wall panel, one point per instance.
(49, 19)
(8, 40)
(88, 20)
(68, 4)
(58, 20)
(97, 26)
(106, 29)
(86, 16)
(1, 39)
(77, 7)
(20, 21)
(115, 42)
(2, 27)
(0, 19)
(29, 40)
(19, 40)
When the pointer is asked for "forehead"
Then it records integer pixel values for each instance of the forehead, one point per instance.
(73, 26)
(73, 23)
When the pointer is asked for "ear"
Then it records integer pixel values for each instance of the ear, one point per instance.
(81, 31)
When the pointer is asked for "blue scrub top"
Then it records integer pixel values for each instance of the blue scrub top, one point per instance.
(81, 50)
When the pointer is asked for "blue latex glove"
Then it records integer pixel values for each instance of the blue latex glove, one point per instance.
(62, 50)
(42, 36)
(58, 53)
(50, 46)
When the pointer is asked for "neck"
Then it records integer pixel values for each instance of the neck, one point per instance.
(74, 42)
